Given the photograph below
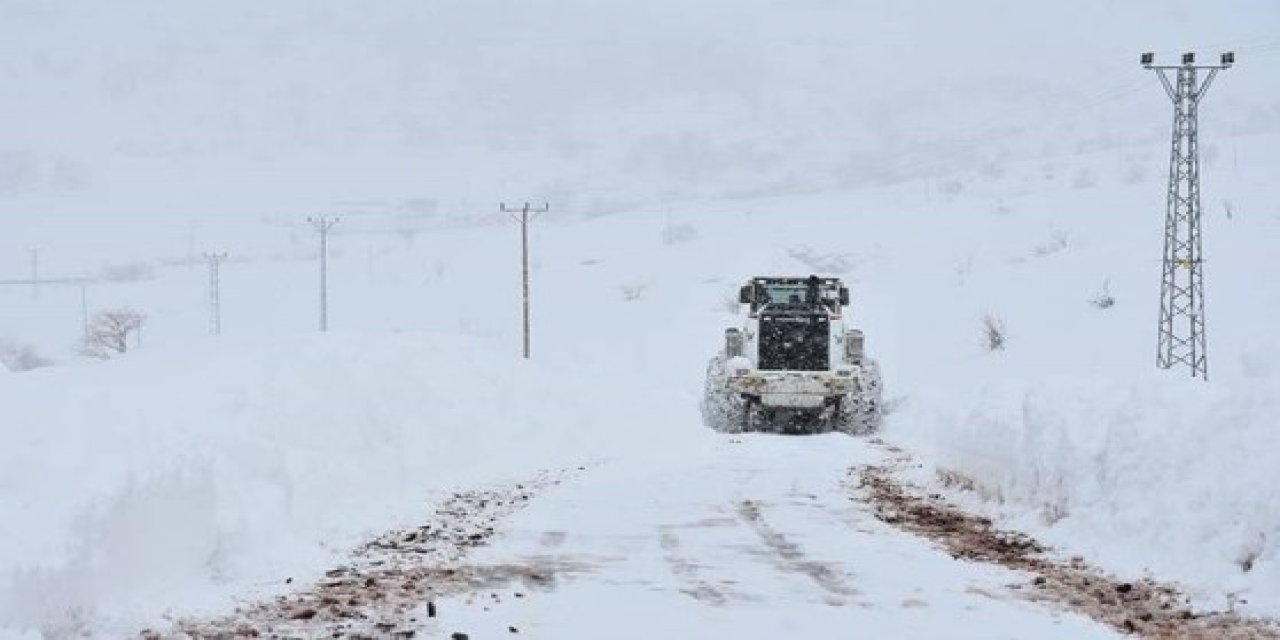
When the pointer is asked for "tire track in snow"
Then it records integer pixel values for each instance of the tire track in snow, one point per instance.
(687, 571)
(788, 556)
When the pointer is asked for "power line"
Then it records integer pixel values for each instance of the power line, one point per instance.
(1181, 331)
(1003, 126)
(524, 220)
(323, 224)
(84, 308)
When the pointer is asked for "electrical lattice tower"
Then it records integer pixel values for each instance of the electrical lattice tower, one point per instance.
(1181, 332)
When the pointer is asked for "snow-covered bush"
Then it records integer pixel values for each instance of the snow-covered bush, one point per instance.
(1104, 299)
(993, 333)
(1057, 241)
(21, 357)
(633, 292)
(109, 333)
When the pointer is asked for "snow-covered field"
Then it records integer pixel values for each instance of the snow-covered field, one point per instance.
(198, 469)
(135, 486)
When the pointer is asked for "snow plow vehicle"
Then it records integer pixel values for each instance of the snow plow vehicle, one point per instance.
(793, 366)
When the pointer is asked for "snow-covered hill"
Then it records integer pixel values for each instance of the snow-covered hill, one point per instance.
(711, 143)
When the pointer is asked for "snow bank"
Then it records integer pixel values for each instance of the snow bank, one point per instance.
(1168, 475)
(144, 485)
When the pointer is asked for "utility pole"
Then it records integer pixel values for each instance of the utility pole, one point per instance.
(84, 306)
(1181, 332)
(524, 219)
(323, 224)
(215, 294)
(35, 273)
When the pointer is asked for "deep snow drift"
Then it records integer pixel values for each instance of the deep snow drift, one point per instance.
(1149, 476)
(175, 480)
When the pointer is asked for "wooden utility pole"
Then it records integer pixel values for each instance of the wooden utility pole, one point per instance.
(524, 219)
(215, 291)
(35, 272)
(322, 225)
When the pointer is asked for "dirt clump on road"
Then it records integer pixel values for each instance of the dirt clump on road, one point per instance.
(1144, 607)
(389, 586)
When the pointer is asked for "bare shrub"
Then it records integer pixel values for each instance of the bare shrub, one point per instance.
(1250, 552)
(955, 480)
(958, 481)
(1058, 241)
(1104, 299)
(109, 333)
(633, 292)
(994, 333)
(1052, 512)
(21, 357)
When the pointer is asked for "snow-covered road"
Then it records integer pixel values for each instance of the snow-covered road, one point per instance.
(751, 537)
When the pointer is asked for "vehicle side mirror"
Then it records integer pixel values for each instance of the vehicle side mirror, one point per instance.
(853, 346)
(844, 296)
(733, 343)
(745, 295)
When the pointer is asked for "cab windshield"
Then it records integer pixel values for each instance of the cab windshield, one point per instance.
(784, 294)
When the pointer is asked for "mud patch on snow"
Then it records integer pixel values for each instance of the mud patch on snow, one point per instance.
(1144, 607)
(389, 587)
(789, 556)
